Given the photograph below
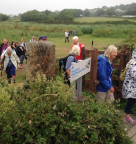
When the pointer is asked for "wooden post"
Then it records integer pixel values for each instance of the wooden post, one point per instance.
(93, 73)
(83, 77)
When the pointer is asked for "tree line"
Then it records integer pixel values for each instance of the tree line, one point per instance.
(64, 15)
(129, 9)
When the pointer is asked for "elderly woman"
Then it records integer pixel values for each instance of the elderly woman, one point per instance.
(71, 58)
(104, 75)
(10, 63)
(129, 88)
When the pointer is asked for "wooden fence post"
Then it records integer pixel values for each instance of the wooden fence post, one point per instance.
(83, 77)
(93, 72)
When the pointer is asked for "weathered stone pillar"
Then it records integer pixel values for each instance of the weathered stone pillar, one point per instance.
(41, 57)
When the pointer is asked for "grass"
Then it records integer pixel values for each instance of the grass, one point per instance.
(62, 48)
(102, 19)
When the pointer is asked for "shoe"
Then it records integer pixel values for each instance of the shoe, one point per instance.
(129, 120)
(14, 81)
(9, 81)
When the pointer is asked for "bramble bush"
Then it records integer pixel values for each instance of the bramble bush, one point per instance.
(44, 112)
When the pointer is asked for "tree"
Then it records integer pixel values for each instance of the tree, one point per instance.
(47, 12)
(77, 12)
(3, 17)
(66, 14)
(86, 12)
(100, 12)
(110, 12)
(131, 12)
(33, 15)
(52, 16)
(104, 7)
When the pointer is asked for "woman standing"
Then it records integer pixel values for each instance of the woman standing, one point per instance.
(13, 46)
(105, 88)
(129, 88)
(10, 63)
(20, 53)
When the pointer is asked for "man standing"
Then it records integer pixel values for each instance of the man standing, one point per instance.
(33, 38)
(80, 45)
(3, 46)
(23, 44)
(74, 32)
(66, 36)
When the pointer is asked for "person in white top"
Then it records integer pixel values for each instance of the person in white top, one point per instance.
(66, 36)
(33, 38)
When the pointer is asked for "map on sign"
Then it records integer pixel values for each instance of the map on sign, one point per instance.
(80, 69)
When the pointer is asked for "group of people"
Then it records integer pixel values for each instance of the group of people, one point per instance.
(12, 56)
(105, 89)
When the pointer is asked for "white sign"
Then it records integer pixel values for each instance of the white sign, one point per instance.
(80, 69)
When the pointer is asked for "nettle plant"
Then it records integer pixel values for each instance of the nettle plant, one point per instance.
(43, 111)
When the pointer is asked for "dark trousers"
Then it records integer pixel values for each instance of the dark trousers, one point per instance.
(66, 39)
(26, 57)
(21, 59)
(129, 105)
(66, 81)
(10, 71)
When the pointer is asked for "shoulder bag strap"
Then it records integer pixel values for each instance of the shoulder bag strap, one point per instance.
(129, 64)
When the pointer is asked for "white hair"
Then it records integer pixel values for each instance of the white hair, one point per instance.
(109, 50)
(9, 50)
(75, 50)
(75, 37)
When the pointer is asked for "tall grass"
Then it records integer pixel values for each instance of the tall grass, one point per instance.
(17, 30)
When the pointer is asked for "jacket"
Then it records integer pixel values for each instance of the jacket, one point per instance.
(19, 52)
(1, 48)
(129, 84)
(79, 57)
(104, 74)
(14, 59)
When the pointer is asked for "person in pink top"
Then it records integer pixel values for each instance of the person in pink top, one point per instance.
(80, 45)
(3, 46)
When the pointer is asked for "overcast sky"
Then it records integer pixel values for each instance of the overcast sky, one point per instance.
(20, 6)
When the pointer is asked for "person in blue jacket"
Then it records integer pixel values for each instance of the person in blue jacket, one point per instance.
(105, 88)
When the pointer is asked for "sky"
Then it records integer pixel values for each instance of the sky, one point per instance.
(20, 6)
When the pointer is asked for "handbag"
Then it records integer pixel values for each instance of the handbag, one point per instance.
(123, 72)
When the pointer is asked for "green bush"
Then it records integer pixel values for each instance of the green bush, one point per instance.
(44, 112)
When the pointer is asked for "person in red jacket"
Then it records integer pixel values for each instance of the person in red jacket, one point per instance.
(80, 45)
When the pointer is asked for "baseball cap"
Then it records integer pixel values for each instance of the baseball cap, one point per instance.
(42, 37)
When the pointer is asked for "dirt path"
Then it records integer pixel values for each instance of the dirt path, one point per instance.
(128, 126)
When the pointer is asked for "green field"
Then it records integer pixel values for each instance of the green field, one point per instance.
(62, 49)
(102, 35)
(100, 19)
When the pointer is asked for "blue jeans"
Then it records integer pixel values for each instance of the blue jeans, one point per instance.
(21, 59)
(129, 105)
(10, 71)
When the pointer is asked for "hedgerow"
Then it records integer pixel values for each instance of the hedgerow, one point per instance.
(46, 112)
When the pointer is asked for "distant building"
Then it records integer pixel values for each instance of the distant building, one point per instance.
(119, 10)
(81, 15)
(129, 16)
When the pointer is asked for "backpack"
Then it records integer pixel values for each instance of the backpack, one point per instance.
(62, 63)
(123, 72)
